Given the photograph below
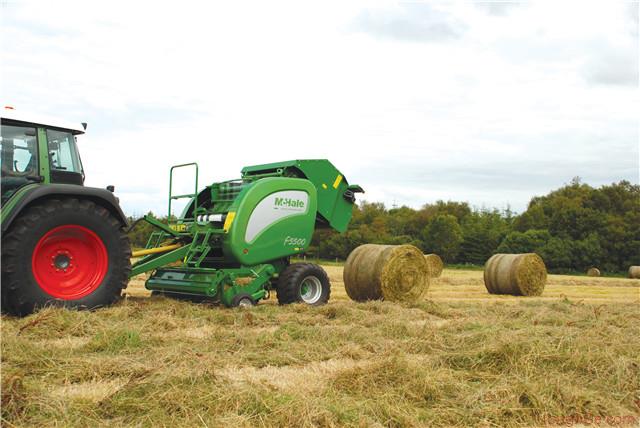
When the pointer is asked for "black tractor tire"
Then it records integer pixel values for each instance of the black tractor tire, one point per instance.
(90, 249)
(303, 283)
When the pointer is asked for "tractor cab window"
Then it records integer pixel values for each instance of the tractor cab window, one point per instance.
(63, 155)
(18, 158)
(18, 151)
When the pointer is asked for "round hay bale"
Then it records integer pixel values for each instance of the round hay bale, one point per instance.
(634, 272)
(435, 265)
(515, 274)
(593, 272)
(387, 272)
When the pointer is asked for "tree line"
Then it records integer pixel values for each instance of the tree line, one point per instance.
(572, 228)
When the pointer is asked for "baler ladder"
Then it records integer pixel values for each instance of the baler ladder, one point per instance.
(199, 248)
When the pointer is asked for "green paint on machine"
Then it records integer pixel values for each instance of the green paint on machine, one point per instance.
(238, 235)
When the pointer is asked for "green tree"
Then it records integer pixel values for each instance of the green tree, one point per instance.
(528, 242)
(599, 227)
(533, 218)
(443, 236)
(556, 252)
(483, 231)
(460, 210)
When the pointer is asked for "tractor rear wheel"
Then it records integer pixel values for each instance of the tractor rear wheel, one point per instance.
(304, 283)
(64, 252)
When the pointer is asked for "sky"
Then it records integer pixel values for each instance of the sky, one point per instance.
(490, 103)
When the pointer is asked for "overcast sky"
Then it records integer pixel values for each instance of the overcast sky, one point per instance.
(486, 102)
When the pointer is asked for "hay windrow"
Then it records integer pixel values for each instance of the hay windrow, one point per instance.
(593, 272)
(389, 272)
(463, 358)
(515, 274)
(435, 265)
(634, 272)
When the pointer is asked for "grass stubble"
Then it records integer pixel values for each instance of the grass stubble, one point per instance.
(460, 357)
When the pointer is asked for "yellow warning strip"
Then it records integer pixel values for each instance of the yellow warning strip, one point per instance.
(337, 182)
(227, 223)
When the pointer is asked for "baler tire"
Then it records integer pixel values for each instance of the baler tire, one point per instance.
(78, 235)
(292, 280)
(242, 297)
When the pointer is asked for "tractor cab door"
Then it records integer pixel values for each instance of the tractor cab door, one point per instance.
(64, 162)
(18, 158)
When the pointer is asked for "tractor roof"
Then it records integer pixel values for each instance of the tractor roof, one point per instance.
(9, 114)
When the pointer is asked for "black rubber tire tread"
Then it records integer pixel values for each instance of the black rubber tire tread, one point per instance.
(290, 281)
(21, 294)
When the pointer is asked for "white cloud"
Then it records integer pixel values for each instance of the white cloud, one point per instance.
(506, 109)
(419, 22)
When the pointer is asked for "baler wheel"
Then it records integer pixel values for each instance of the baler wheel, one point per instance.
(303, 283)
(242, 300)
(64, 252)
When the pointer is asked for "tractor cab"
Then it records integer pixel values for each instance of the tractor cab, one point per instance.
(34, 150)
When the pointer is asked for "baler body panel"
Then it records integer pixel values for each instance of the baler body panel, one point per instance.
(334, 210)
(273, 218)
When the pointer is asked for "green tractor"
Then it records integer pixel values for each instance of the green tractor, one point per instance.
(65, 244)
(233, 242)
(62, 243)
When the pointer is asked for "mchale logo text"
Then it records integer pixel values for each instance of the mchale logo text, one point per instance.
(288, 202)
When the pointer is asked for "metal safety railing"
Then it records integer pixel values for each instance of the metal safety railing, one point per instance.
(193, 195)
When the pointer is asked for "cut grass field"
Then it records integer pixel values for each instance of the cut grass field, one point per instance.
(461, 357)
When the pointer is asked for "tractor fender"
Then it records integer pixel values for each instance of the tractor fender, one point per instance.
(39, 193)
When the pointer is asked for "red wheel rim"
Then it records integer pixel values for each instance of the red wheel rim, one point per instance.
(69, 262)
